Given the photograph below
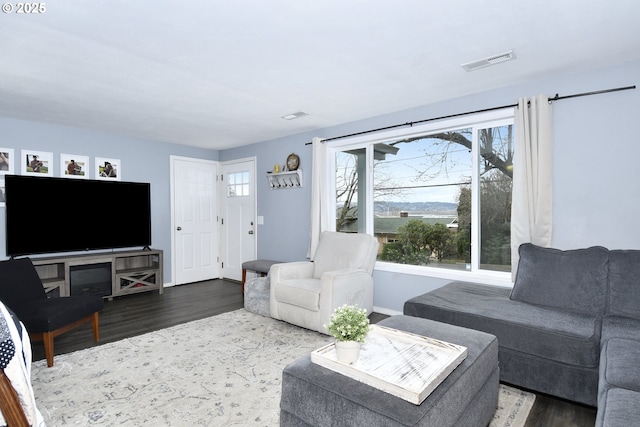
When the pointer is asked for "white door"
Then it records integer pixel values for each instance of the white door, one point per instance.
(194, 220)
(238, 216)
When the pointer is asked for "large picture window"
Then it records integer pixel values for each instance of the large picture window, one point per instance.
(437, 196)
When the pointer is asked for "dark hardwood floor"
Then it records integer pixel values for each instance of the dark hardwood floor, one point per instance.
(137, 314)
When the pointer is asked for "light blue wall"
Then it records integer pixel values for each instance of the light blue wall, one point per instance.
(141, 161)
(596, 183)
(596, 192)
(284, 236)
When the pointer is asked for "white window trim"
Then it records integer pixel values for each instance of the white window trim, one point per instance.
(368, 140)
(481, 276)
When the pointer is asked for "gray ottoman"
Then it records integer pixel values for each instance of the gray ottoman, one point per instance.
(261, 266)
(256, 296)
(315, 396)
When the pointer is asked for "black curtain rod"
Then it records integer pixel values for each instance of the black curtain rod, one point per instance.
(555, 98)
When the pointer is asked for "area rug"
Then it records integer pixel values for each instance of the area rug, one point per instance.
(225, 370)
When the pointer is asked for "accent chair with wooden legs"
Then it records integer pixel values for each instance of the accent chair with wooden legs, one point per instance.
(44, 318)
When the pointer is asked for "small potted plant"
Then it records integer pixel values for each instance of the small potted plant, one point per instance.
(349, 325)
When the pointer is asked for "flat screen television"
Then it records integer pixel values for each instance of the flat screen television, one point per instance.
(49, 215)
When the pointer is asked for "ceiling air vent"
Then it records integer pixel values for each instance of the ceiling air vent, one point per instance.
(295, 115)
(492, 60)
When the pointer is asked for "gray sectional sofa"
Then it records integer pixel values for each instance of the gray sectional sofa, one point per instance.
(570, 327)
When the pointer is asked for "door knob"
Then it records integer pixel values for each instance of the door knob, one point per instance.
(179, 228)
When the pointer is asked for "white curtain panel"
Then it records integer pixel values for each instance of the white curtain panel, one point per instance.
(531, 211)
(319, 195)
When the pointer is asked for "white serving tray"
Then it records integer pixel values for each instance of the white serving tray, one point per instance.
(405, 365)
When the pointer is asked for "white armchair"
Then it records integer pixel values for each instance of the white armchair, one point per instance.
(306, 293)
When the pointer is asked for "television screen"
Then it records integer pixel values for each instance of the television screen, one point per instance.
(47, 215)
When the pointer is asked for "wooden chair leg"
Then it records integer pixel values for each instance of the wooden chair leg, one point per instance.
(95, 325)
(10, 403)
(47, 339)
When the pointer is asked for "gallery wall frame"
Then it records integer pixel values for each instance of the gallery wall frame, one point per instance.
(7, 161)
(37, 163)
(74, 166)
(2, 197)
(108, 169)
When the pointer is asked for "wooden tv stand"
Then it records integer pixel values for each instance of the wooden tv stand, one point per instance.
(131, 271)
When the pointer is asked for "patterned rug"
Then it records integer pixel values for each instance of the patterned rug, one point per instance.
(225, 370)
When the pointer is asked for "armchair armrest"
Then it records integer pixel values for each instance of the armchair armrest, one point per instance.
(347, 286)
(291, 270)
(286, 272)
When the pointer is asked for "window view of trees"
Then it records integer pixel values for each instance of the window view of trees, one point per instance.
(424, 211)
(346, 189)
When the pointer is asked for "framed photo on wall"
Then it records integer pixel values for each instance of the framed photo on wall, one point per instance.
(6, 161)
(37, 163)
(108, 169)
(74, 166)
(2, 199)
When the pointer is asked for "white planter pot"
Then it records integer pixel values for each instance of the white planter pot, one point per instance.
(347, 351)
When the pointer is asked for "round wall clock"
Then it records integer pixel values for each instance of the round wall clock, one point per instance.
(293, 162)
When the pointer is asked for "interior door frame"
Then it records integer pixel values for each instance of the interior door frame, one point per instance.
(172, 158)
(222, 200)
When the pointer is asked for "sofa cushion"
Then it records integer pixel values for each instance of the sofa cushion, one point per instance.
(620, 358)
(573, 280)
(618, 408)
(563, 336)
(620, 327)
(624, 283)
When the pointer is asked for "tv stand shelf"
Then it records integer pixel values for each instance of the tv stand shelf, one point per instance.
(131, 271)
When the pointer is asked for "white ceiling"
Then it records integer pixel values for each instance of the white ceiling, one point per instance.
(221, 73)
